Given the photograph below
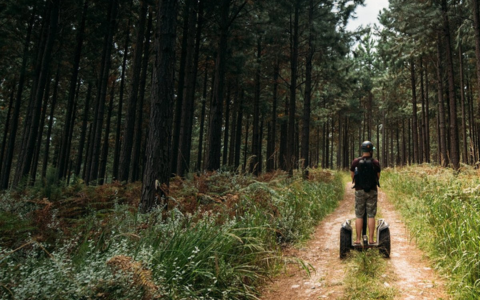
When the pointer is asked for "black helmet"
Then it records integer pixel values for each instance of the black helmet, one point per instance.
(367, 146)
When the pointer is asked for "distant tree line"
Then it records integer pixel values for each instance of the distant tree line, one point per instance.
(428, 64)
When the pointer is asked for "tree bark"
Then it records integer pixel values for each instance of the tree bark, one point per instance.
(38, 144)
(118, 135)
(104, 157)
(202, 117)
(290, 161)
(136, 154)
(101, 93)
(181, 86)
(427, 115)
(283, 138)
(25, 161)
(273, 123)
(256, 113)
(83, 130)
(245, 147)
(7, 163)
(226, 125)
(476, 27)
(441, 108)
(238, 134)
(462, 99)
(454, 148)
(193, 42)
(233, 126)
(7, 125)
(215, 126)
(308, 94)
(64, 149)
(157, 164)
(50, 125)
(129, 129)
(414, 115)
(421, 142)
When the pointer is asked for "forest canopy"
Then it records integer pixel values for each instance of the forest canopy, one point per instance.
(122, 90)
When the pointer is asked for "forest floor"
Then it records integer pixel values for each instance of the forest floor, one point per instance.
(409, 270)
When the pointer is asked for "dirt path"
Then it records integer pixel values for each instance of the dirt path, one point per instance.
(414, 279)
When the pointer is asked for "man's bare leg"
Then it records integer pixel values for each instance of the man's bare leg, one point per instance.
(358, 229)
(371, 229)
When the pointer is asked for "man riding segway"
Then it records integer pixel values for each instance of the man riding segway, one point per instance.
(365, 172)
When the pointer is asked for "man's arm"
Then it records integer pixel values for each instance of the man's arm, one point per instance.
(353, 175)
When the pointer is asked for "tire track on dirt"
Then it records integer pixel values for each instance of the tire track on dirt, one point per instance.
(414, 279)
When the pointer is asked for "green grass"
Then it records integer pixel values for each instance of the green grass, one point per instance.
(221, 240)
(366, 277)
(442, 210)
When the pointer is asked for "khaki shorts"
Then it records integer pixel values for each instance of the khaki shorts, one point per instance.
(368, 200)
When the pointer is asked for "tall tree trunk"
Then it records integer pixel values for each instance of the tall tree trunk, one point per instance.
(414, 115)
(226, 125)
(308, 93)
(104, 157)
(422, 139)
(384, 125)
(339, 141)
(157, 164)
(471, 122)
(215, 126)
(441, 106)
(64, 153)
(245, 147)
(193, 53)
(25, 161)
(38, 143)
(283, 138)
(50, 125)
(101, 93)
(427, 119)
(136, 154)
(476, 27)
(233, 126)
(462, 99)
(129, 129)
(327, 144)
(256, 113)
(203, 116)
(39, 50)
(273, 123)
(7, 125)
(238, 134)
(260, 157)
(7, 163)
(454, 149)
(88, 155)
(181, 85)
(293, 90)
(118, 135)
(83, 130)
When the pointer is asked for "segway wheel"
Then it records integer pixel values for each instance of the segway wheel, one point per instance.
(345, 242)
(384, 242)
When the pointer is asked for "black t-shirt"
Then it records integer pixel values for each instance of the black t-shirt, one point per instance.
(376, 166)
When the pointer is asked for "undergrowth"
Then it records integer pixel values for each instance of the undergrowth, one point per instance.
(367, 278)
(219, 239)
(441, 207)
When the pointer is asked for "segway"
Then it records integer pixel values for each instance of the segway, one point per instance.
(347, 242)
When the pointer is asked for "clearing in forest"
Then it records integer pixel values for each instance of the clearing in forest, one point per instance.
(407, 272)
